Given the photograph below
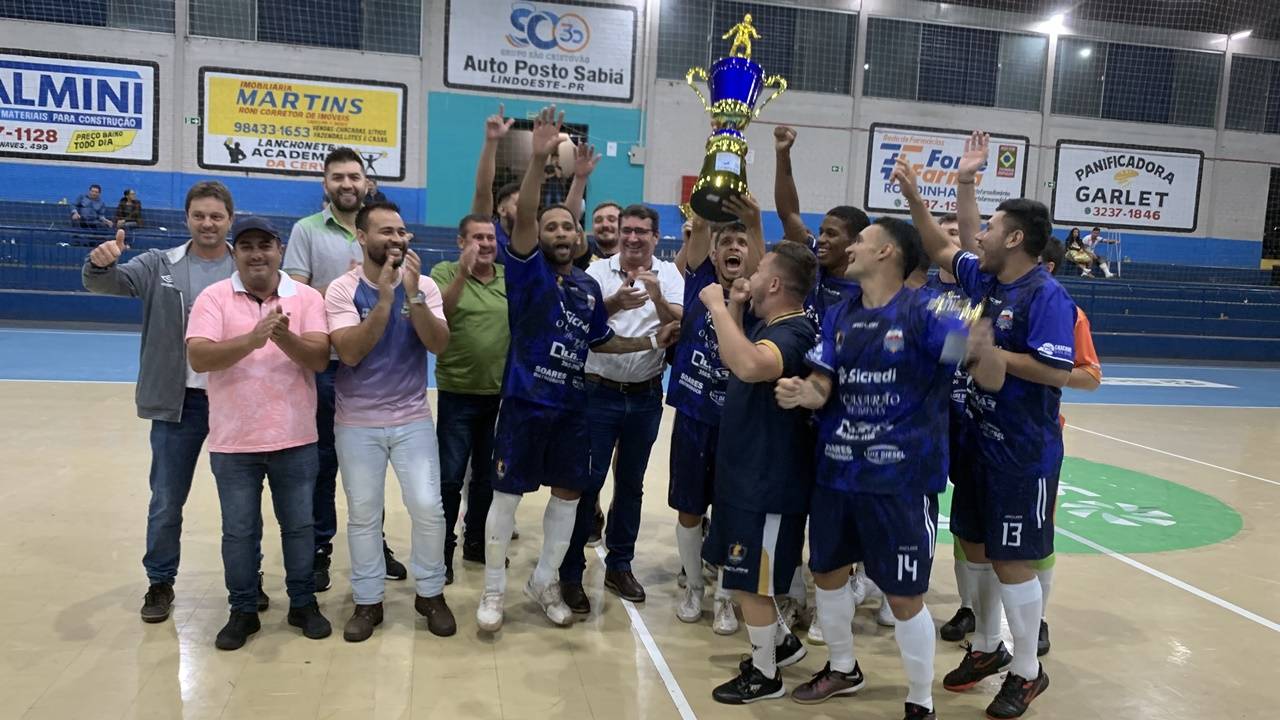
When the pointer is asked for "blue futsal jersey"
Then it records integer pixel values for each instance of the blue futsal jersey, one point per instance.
(554, 320)
(830, 291)
(1017, 428)
(884, 429)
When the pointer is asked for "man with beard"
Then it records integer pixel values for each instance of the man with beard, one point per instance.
(383, 320)
(696, 390)
(262, 336)
(169, 393)
(555, 312)
(323, 247)
(604, 228)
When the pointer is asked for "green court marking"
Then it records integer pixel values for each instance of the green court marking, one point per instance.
(1132, 512)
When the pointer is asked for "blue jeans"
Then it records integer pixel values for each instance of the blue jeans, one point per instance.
(326, 512)
(465, 428)
(363, 453)
(292, 475)
(175, 447)
(629, 423)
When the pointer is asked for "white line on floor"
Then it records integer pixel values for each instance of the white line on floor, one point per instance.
(41, 331)
(1173, 455)
(1275, 627)
(655, 655)
(76, 382)
(1086, 403)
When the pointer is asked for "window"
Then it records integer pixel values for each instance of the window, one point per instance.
(953, 65)
(392, 26)
(812, 49)
(1253, 102)
(1136, 82)
(153, 15)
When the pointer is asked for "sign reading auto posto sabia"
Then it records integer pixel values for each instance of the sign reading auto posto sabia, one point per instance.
(78, 108)
(1127, 186)
(583, 51)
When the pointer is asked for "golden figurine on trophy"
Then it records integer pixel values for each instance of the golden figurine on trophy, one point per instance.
(735, 82)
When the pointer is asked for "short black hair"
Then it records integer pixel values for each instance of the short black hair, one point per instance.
(505, 192)
(907, 238)
(948, 217)
(606, 203)
(96, 185)
(542, 211)
(1095, 227)
(362, 217)
(642, 212)
(798, 266)
(1032, 218)
(472, 218)
(1054, 252)
(342, 154)
(855, 221)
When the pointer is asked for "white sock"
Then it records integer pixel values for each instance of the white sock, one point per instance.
(966, 584)
(1046, 584)
(721, 593)
(762, 649)
(689, 543)
(1022, 607)
(780, 630)
(497, 530)
(835, 617)
(987, 609)
(557, 530)
(798, 592)
(917, 644)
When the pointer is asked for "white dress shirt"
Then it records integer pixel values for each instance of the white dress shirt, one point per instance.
(642, 321)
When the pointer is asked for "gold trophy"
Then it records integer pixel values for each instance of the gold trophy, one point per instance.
(735, 82)
(958, 315)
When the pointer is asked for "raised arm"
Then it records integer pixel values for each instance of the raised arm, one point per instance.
(495, 128)
(932, 236)
(104, 275)
(585, 161)
(748, 361)
(785, 197)
(968, 217)
(748, 211)
(546, 136)
(695, 250)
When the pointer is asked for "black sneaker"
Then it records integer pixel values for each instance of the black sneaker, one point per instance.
(960, 625)
(597, 530)
(790, 652)
(321, 571)
(975, 667)
(473, 553)
(1016, 694)
(395, 569)
(750, 685)
(576, 598)
(264, 600)
(310, 621)
(1042, 643)
(919, 712)
(828, 683)
(157, 603)
(239, 627)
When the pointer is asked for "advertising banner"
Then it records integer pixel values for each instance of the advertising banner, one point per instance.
(579, 50)
(76, 107)
(277, 123)
(1127, 186)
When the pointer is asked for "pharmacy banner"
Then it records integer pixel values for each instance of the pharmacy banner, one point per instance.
(277, 123)
(1127, 186)
(585, 51)
(935, 155)
(76, 107)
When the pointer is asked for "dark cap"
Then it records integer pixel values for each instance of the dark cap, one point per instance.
(253, 222)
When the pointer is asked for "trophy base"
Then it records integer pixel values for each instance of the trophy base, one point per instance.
(708, 202)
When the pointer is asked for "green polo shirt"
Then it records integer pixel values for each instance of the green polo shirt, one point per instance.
(474, 362)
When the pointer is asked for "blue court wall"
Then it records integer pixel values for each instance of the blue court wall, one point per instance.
(456, 123)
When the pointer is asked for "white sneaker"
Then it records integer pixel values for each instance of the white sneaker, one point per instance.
(884, 616)
(815, 633)
(858, 587)
(681, 579)
(873, 590)
(790, 610)
(489, 614)
(725, 621)
(551, 602)
(690, 608)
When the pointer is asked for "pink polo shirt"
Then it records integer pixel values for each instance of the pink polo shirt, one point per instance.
(265, 402)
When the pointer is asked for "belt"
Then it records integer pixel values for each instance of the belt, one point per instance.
(627, 388)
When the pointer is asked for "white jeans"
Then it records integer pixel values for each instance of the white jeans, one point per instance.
(363, 453)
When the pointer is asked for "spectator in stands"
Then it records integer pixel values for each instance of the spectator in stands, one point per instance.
(129, 211)
(373, 195)
(1078, 254)
(89, 211)
(1091, 244)
(169, 393)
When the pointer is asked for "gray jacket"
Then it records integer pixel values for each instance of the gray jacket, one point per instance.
(160, 278)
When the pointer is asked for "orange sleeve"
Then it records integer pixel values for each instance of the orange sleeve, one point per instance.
(1086, 356)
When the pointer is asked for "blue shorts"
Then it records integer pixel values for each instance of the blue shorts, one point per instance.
(693, 465)
(1011, 515)
(758, 552)
(537, 445)
(893, 536)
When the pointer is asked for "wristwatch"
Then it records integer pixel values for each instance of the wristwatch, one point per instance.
(419, 299)
(653, 341)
